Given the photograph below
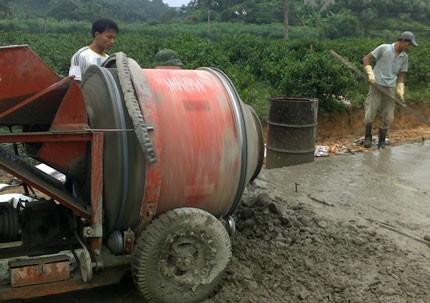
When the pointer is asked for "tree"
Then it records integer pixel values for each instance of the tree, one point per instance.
(342, 24)
(5, 8)
(286, 12)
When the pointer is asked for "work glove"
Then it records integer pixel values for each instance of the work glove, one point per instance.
(370, 74)
(400, 92)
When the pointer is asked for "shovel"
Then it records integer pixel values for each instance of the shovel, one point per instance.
(382, 89)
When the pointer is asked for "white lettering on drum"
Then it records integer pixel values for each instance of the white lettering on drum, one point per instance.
(176, 84)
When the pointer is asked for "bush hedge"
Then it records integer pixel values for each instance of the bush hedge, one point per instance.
(260, 67)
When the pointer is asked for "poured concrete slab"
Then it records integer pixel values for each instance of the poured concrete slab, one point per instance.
(389, 188)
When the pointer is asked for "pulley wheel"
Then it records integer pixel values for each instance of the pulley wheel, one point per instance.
(181, 257)
(86, 266)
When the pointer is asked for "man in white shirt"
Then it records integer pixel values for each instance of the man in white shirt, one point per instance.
(104, 32)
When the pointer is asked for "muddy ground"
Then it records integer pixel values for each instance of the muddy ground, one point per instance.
(354, 228)
(320, 233)
(345, 127)
(315, 233)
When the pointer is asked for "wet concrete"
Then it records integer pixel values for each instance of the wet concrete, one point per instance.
(390, 187)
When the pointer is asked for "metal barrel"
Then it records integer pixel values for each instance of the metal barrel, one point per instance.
(291, 131)
(207, 143)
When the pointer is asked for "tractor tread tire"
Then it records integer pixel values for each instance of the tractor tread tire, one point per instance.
(158, 274)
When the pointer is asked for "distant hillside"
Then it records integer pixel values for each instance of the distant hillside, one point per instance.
(88, 10)
(335, 18)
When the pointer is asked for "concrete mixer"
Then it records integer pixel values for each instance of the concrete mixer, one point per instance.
(155, 164)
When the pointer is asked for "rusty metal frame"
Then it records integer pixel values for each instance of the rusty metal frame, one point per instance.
(97, 191)
(40, 270)
(68, 124)
(24, 103)
(108, 276)
(96, 138)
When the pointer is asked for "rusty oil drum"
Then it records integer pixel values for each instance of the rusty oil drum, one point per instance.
(291, 134)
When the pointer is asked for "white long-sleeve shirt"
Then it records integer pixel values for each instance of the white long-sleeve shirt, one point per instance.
(82, 59)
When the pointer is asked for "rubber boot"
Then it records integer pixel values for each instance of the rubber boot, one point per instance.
(368, 136)
(381, 137)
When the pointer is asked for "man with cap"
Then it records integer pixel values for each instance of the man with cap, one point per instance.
(389, 72)
(167, 58)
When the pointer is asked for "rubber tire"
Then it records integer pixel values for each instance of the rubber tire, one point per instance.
(155, 270)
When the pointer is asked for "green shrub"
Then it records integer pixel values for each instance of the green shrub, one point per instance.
(340, 25)
(259, 65)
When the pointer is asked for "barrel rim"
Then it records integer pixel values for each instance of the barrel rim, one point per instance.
(293, 98)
